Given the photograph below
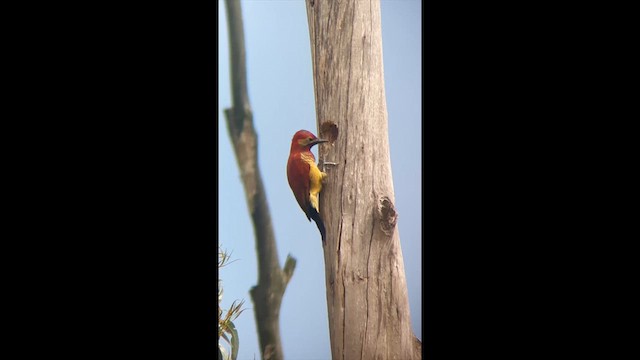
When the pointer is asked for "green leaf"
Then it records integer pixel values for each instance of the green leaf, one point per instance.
(235, 342)
(222, 353)
(224, 336)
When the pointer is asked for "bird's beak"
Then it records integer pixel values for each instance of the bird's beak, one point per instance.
(317, 141)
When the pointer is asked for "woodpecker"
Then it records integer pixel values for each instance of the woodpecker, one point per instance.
(305, 179)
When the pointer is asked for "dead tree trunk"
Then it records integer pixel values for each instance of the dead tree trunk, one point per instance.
(367, 295)
(272, 281)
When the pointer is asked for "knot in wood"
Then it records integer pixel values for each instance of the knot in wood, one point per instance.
(387, 214)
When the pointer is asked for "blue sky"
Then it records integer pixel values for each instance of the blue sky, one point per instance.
(280, 82)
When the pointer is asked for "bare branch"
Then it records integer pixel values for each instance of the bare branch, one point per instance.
(240, 95)
(272, 281)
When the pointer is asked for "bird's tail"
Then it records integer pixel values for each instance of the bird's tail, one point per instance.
(316, 217)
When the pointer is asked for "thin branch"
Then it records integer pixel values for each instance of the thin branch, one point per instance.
(272, 281)
(240, 95)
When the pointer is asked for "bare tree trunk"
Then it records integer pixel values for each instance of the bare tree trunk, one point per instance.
(367, 295)
(272, 281)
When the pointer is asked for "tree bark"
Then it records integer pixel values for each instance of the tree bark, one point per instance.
(367, 296)
(272, 281)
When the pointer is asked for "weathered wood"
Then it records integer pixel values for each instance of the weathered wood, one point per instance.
(367, 295)
(272, 281)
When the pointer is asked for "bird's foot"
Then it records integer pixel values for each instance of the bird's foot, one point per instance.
(325, 163)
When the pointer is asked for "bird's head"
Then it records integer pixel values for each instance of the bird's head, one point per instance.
(303, 140)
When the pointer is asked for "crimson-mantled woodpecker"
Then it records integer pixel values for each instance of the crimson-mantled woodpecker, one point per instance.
(304, 176)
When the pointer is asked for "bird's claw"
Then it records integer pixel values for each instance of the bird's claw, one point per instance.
(325, 163)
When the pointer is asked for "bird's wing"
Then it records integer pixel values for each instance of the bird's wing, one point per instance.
(297, 170)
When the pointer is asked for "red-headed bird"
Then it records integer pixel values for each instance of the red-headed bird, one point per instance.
(304, 176)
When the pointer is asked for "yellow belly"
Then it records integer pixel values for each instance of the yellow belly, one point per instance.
(315, 181)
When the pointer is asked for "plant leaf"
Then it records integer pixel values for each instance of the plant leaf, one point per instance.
(235, 342)
(224, 336)
(222, 353)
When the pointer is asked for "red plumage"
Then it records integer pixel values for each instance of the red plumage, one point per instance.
(305, 179)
